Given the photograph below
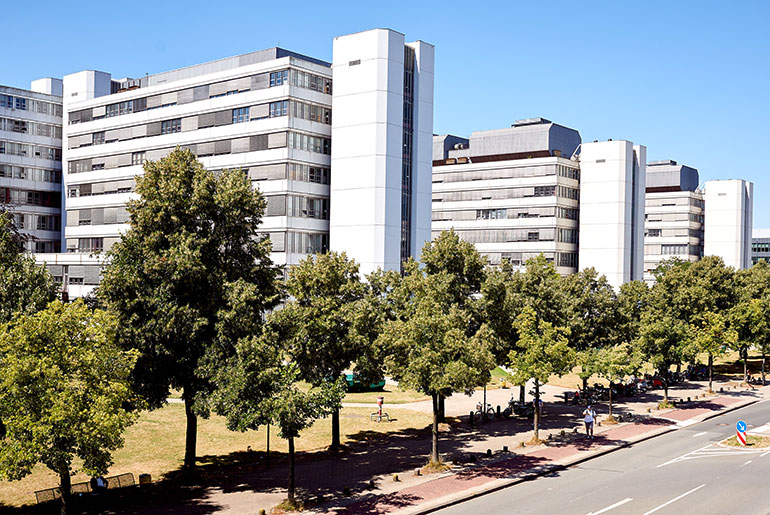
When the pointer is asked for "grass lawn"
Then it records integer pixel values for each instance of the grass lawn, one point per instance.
(155, 444)
(756, 442)
(393, 395)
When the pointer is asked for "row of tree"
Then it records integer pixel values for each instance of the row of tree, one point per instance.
(190, 300)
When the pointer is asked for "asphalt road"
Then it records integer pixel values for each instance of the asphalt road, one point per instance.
(682, 472)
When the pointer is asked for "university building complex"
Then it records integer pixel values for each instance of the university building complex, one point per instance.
(345, 155)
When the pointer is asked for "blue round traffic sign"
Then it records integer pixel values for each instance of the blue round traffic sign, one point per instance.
(741, 425)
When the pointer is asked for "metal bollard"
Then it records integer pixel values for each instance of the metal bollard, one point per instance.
(498, 411)
(472, 419)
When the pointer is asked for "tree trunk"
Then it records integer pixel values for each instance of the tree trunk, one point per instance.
(191, 435)
(335, 429)
(537, 411)
(65, 482)
(522, 393)
(665, 385)
(763, 366)
(610, 399)
(434, 457)
(746, 364)
(585, 383)
(711, 371)
(441, 409)
(292, 489)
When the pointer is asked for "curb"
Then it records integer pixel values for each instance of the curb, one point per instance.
(548, 469)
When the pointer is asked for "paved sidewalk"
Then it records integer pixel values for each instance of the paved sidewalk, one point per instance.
(505, 469)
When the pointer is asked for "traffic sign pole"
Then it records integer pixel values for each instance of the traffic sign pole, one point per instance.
(741, 432)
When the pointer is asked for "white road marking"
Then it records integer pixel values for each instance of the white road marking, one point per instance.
(764, 454)
(589, 493)
(746, 463)
(612, 506)
(675, 499)
(699, 434)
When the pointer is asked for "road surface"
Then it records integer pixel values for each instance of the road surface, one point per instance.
(682, 472)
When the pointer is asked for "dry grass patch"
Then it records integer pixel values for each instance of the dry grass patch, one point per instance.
(756, 442)
(155, 444)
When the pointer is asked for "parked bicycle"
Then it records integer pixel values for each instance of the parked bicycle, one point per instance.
(480, 412)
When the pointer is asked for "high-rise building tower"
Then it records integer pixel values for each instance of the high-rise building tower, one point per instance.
(728, 221)
(382, 145)
(612, 184)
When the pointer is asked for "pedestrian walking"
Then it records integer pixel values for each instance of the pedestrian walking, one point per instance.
(589, 415)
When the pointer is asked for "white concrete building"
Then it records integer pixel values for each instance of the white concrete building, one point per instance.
(728, 221)
(673, 215)
(381, 157)
(612, 184)
(513, 193)
(31, 161)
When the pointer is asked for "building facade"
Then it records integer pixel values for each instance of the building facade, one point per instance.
(674, 215)
(612, 185)
(31, 161)
(760, 246)
(729, 206)
(513, 193)
(381, 158)
(268, 113)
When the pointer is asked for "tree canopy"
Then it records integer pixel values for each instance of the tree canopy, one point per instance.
(64, 392)
(189, 279)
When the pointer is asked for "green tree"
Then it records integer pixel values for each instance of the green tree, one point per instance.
(318, 325)
(506, 292)
(543, 351)
(592, 314)
(189, 279)
(633, 300)
(750, 316)
(260, 387)
(64, 392)
(661, 340)
(711, 335)
(435, 343)
(615, 363)
(25, 287)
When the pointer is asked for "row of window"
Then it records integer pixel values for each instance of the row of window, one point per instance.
(505, 173)
(568, 236)
(25, 150)
(44, 246)
(506, 235)
(570, 193)
(677, 249)
(30, 174)
(491, 214)
(680, 231)
(307, 207)
(97, 216)
(29, 104)
(86, 245)
(37, 222)
(299, 242)
(306, 142)
(307, 173)
(31, 198)
(569, 259)
(570, 173)
(26, 127)
(318, 144)
(760, 246)
(241, 85)
(100, 188)
(238, 115)
(673, 217)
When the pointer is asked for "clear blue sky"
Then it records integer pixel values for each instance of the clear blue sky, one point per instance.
(690, 80)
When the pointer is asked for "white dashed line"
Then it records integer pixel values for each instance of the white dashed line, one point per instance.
(746, 463)
(674, 499)
(612, 506)
(699, 434)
